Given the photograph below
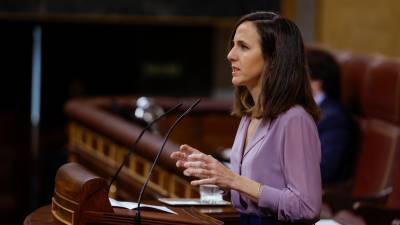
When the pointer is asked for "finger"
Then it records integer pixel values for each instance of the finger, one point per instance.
(195, 164)
(201, 157)
(203, 181)
(188, 149)
(197, 172)
(178, 156)
(180, 163)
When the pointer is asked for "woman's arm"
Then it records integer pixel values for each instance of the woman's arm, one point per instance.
(301, 198)
(211, 171)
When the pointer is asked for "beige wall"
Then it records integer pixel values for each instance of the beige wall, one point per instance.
(365, 26)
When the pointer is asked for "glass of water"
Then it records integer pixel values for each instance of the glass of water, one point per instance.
(210, 194)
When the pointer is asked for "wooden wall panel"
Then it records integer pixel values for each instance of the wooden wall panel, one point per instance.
(365, 26)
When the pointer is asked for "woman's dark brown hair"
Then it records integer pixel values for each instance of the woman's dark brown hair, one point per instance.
(285, 80)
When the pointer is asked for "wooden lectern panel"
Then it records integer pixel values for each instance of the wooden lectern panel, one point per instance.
(187, 215)
(81, 197)
(78, 190)
(43, 216)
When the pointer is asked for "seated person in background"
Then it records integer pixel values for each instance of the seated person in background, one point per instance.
(336, 128)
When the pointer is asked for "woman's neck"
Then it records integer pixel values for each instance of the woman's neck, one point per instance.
(255, 93)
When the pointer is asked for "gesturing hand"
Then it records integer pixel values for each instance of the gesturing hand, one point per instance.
(205, 167)
(182, 155)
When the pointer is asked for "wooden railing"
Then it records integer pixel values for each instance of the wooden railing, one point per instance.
(110, 154)
(99, 140)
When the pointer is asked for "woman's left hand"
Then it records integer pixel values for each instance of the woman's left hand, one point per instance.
(209, 170)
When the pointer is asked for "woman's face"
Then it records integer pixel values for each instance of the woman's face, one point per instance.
(246, 56)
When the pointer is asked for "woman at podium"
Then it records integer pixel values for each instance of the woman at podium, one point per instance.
(275, 160)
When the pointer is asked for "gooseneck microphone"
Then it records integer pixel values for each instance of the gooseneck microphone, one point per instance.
(137, 218)
(137, 140)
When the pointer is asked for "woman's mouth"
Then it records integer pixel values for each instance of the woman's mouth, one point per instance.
(235, 70)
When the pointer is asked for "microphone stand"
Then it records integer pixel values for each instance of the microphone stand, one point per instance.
(137, 218)
(137, 140)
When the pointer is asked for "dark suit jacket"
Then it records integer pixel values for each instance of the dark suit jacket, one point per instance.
(337, 135)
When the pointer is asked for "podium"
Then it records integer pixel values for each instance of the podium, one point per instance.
(81, 197)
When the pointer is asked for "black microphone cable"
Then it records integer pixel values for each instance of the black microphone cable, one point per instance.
(137, 218)
(137, 140)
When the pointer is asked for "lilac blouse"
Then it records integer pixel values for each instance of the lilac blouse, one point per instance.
(284, 157)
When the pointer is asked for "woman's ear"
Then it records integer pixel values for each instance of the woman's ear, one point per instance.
(316, 86)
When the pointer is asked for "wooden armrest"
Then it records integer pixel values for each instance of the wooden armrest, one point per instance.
(342, 200)
(376, 214)
(338, 196)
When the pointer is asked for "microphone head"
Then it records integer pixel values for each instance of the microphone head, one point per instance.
(143, 102)
(147, 110)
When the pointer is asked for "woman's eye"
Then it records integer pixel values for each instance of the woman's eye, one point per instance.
(244, 47)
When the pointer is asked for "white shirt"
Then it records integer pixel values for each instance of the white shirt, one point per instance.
(319, 98)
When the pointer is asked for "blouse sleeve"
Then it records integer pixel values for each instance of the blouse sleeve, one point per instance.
(300, 200)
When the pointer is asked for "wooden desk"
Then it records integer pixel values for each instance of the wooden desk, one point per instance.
(40, 216)
(228, 215)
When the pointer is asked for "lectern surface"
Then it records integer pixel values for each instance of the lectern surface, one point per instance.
(42, 216)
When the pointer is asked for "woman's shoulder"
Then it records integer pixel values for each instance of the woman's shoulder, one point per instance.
(296, 112)
(297, 118)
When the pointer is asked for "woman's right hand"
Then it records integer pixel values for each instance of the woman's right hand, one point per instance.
(182, 155)
(204, 167)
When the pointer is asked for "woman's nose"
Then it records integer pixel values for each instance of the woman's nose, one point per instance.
(231, 55)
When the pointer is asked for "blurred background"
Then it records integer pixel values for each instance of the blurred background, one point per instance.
(51, 51)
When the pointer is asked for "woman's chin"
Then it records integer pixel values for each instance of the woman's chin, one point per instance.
(236, 82)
